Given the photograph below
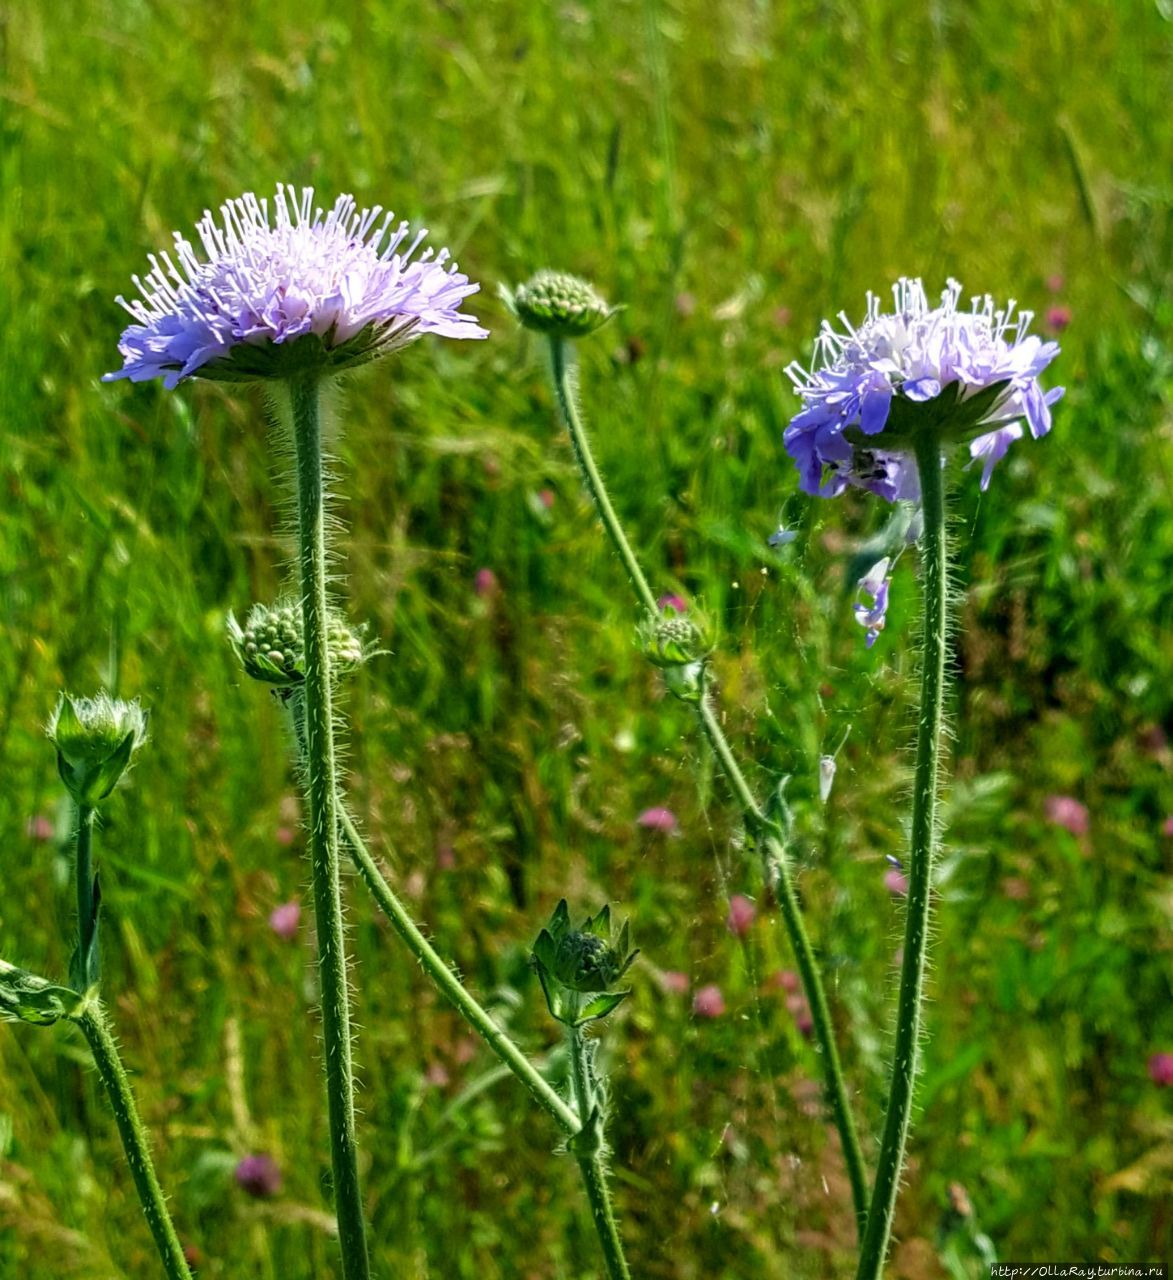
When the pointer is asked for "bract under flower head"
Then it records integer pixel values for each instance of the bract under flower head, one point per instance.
(289, 290)
(971, 377)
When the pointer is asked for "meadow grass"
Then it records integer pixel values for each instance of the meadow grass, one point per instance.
(729, 174)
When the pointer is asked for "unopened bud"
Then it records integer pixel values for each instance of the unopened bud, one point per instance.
(679, 646)
(95, 740)
(561, 305)
(271, 649)
(577, 966)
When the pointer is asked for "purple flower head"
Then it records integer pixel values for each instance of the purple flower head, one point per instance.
(874, 583)
(967, 375)
(259, 1176)
(672, 601)
(289, 289)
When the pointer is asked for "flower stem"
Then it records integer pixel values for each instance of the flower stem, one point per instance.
(591, 1163)
(562, 361)
(773, 851)
(322, 788)
(450, 986)
(777, 875)
(86, 960)
(95, 1026)
(934, 571)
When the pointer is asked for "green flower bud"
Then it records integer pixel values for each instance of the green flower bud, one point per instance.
(95, 740)
(270, 647)
(558, 304)
(680, 647)
(577, 966)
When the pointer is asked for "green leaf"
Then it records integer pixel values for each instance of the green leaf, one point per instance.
(600, 1006)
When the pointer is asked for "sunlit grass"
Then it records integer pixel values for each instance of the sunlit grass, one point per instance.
(729, 175)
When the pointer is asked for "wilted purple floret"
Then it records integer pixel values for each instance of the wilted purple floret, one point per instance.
(912, 355)
(270, 276)
(874, 583)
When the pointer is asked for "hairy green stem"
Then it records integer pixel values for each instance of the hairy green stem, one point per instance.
(322, 789)
(450, 985)
(934, 573)
(561, 359)
(86, 961)
(591, 1163)
(773, 851)
(95, 1026)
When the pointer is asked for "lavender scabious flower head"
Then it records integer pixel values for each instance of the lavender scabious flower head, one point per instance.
(286, 290)
(971, 377)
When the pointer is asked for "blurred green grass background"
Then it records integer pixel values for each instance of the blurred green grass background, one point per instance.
(730, 174)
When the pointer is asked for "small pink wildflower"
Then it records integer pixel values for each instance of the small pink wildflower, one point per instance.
(485, 583)
(670, 600)
(1068, 813)
(546, 498)
(1058, 318)
(1055, 283)
(285, 919)
(675, 983)
(658, 818)
(40, 827)
(742, 914)
(1167, 828)
(708, 1002)
(783, 980)
(284, 836)
(437, 1075)
(896, 882)
(1161, 1069)
(800, 1011)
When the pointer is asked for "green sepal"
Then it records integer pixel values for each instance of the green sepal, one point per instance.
(947, 416)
